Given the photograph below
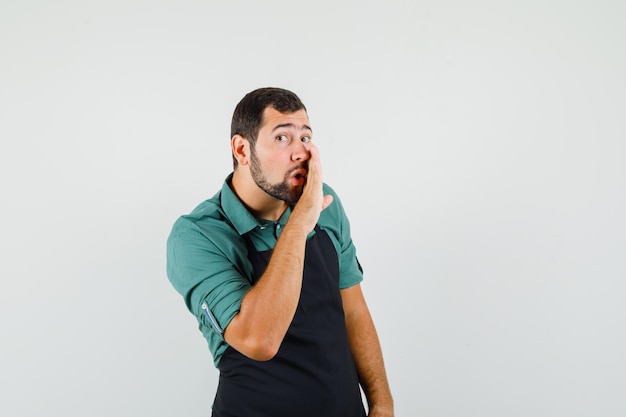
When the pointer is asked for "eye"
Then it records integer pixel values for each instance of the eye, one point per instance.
(306, 139)
(282, 138)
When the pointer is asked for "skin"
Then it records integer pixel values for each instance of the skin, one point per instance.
(264, 181)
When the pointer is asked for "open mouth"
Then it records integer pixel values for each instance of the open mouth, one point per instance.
(299, 177)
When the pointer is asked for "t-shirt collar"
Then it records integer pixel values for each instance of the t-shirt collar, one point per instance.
(235, 211)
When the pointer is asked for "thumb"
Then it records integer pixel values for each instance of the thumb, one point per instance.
(328, 199)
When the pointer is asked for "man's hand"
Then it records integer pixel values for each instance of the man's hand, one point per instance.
(312, 201)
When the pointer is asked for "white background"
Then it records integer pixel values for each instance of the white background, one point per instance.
(478, 147)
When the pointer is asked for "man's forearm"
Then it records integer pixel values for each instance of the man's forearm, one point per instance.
(367, 353)
(269, 307)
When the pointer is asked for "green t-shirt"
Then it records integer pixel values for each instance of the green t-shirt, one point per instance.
(207, 257)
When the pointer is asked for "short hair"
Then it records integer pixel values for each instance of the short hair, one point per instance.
(248, 114)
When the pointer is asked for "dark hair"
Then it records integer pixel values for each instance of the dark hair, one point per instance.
(248, 114)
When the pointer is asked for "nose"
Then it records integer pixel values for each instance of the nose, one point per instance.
(300, 152)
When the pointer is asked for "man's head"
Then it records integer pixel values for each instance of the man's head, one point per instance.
(248, 115)
(271, 133)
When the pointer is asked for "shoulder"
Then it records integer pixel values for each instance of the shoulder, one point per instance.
(206, 223)
(333, 218)
(334, 212)
(204, 213)
(329, 190)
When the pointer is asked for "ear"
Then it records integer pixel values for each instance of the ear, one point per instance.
(241, 149)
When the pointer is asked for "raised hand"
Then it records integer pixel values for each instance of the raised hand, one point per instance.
(312, 201)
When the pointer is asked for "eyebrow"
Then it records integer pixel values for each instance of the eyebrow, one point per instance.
(291, 125)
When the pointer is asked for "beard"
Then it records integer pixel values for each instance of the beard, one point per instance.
(282, 190)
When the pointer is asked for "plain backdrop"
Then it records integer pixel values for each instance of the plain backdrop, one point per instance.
(479, 149)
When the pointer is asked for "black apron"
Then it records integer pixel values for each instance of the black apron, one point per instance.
(313, 374)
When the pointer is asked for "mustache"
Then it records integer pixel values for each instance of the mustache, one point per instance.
(303, 166)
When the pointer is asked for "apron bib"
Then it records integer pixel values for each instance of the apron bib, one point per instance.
(313, 374)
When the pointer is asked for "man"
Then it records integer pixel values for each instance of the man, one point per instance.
(269, 269)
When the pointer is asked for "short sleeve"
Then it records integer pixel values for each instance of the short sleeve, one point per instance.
(202, 269)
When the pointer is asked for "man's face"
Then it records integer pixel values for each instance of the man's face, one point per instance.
(278, 161)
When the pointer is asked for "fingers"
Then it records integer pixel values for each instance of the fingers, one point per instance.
(314, 156)
(315, 172)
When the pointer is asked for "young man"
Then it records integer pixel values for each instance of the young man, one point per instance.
(269, 269)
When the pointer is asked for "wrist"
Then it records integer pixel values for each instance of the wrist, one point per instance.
(381, 411)
(382, 406)
(298, 225)
(295, 230)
